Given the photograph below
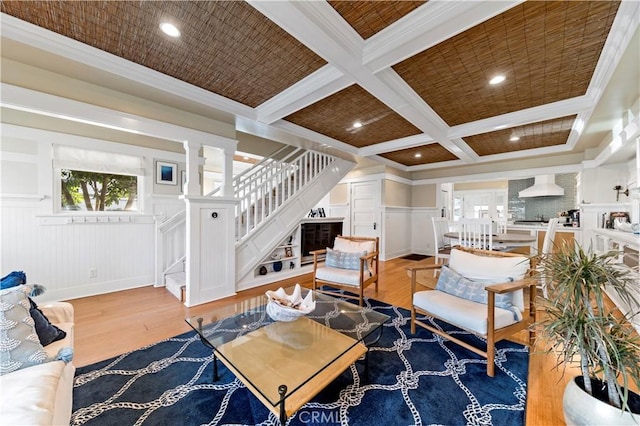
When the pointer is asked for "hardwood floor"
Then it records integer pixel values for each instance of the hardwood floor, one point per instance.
(111, 324)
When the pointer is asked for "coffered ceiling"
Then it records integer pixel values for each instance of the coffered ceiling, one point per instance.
(405, 83)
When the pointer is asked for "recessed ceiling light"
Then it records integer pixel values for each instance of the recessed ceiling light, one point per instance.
(245, 158)
(357, 124)
(514, 138)
(497, 79)
(170, 29)
(418, 155)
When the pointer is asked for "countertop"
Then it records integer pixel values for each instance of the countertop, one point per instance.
(542, 227)
(321, 219)
(633, 240)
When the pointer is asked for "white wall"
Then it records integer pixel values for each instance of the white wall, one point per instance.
(58, 250)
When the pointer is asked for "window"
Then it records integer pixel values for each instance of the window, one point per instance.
(91, 191)
(96, 181)
(479, 204)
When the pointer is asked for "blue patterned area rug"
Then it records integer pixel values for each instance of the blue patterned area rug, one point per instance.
(413, 380)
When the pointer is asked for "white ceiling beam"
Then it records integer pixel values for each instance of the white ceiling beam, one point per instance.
(396, 145)
(315, 24)
(438, 165)
(389, 163)
(526, 116)
(425, 27)
(316, 86)
(310, 135)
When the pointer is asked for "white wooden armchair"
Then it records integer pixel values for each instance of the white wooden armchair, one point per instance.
(352, 265)
(480, 291)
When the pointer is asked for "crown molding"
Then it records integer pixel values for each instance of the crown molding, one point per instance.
(21, 99)
(512, 174)
(622, 31)
(40, 38)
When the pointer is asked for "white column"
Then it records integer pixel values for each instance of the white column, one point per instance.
(227, 173)
(193, 188)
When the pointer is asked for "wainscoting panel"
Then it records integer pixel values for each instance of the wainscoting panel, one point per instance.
(422, 230)
(396, 232)
(76, 260)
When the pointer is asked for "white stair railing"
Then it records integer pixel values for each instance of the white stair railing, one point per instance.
(284, 152)
(268, 187)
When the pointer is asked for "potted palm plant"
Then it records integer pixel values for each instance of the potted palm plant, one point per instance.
(581, 325)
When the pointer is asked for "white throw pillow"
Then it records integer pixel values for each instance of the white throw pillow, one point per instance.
(348, 246)
(492, 269)
(19, 343)
(455, 284)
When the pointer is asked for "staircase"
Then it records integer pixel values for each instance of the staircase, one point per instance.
(170, 253)
(274, 195)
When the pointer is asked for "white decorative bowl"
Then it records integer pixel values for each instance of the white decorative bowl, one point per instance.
(285, 307)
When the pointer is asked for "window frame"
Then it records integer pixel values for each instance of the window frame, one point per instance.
(60, 163)
(57, 196)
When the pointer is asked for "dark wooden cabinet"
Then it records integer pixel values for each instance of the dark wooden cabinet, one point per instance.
(316, 236)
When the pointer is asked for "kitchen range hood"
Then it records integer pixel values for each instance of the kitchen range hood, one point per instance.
(543, 186)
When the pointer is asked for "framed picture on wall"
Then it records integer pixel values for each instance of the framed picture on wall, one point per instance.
(166, 173)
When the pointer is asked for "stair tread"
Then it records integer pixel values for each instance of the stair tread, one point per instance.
(176, 279)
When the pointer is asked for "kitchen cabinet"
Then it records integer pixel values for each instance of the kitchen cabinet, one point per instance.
(562, 237)
(563, 234)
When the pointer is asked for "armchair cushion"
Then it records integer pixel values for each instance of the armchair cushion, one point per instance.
(445, 306)
(337, 275)
(455, 284)
(491, 269)
(344, 260)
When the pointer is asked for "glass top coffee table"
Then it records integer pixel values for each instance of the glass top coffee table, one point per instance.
(285, 364)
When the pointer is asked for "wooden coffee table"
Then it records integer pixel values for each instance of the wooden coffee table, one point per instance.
(286, 364)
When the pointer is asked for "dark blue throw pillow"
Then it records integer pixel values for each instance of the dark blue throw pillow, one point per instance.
(47, 332)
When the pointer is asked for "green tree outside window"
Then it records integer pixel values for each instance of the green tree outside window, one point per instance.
(97, 191)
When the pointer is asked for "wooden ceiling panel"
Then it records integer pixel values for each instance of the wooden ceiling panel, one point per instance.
(369, 17)
(432, 153)
(547, 51)
(536, 135)
(226, 47)
(335, 115)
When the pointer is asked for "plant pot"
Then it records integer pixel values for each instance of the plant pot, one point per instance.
(580, 408)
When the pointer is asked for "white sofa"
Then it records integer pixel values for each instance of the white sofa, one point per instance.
(42, 394)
